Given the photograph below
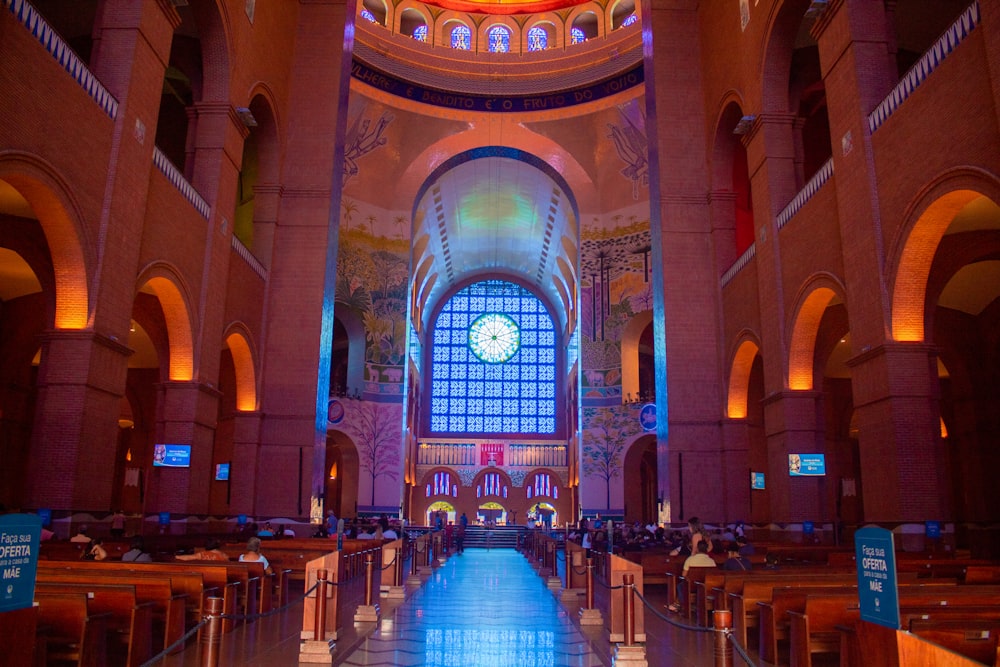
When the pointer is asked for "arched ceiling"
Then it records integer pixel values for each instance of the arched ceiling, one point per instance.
(494, 215)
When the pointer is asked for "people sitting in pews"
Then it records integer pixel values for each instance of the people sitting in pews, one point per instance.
(211, 552)
(735, 560)
(95, 551)
(81, 535)
(253, 554)
(746, 549)
(137, 553)
(771, 562)
(700, 559)
(266, 531)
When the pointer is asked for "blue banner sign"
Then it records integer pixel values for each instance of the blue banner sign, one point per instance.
(45, 514)
(756, 480)
(808, 528)
(878, 595)
(806, 465)
(164, 518)
(933, 529)
(172, 456)
(647, 417)
(20, 535)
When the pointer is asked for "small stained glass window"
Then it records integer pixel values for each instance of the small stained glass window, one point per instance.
(499, 39)
(461, 38)
(420, 33)
(367, 15)
(632, 18)
(577, 36)
(538, 39)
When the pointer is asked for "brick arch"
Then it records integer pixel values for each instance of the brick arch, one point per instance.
(813, 301)
(740, 367)
(52, 202)
(779, 45)
(166, 285)
(216, 46)
(913, 253)
(239, 342)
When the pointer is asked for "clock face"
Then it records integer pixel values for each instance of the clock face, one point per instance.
(494, 338)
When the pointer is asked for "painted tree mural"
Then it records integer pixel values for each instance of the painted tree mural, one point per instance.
(607, 430)
(375, 428)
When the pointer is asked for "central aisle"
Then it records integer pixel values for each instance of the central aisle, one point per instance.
(482, 608)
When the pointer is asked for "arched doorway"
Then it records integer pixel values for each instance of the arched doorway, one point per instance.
(441, 506)
(544, 515)
(341, 478)
(641, 481)
(491, 513)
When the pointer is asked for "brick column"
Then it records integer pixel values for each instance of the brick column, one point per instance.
(75, 435)
(685, 276)
(793, 426)
(302, 267)
(243, 472)
(188, 414)
(902, 456)
(894, 385)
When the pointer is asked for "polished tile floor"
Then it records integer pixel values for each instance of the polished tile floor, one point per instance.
(482, 608)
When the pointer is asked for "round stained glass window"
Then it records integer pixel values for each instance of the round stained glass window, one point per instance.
(494, 338)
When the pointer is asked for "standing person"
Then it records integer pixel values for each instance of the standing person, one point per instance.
(118, 524)
(331, 523)
(460, 538)
(253, 554)
(464, 521)
(698, 535)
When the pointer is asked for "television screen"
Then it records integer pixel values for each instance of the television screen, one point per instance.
(222, 471)
(806, 465)
(756, 480)
(171, 456)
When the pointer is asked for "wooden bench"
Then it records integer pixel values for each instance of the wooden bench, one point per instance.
(975, 638)
(886, 647)
(18, 628)
(69, 632)
(815, 629)
(130, 621)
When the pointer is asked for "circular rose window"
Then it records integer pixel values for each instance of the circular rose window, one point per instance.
(494, 338)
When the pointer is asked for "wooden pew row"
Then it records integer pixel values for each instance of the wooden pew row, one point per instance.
(886, 647)
(130, 622)
(815, 628)
(69, 633)
(773, 616)
(975, 638)
(18, 629)
(197, 581)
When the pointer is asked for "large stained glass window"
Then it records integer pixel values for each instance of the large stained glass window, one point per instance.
(493, 362)
(499, 39)
(538, 39)
(461, 38)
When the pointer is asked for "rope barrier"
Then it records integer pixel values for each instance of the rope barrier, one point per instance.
(180, 642)
(730, 637)
(391, 563)
(265, 614)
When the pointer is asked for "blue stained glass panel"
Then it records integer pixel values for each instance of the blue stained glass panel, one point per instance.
(499, 39)
(538, 39)
(461, 38)
(488, 396)
(420, 33)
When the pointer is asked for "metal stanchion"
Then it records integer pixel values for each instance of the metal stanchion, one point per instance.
(628, 591)
(369, 567)
(589, 615)
(397, 570)
(213, 634)
(723, 622)
(319, 615)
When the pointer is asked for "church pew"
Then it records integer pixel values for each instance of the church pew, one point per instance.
(815, 629)
(130, 621)
(18, 629)
(70, 633)
(982, 574)
(975, 638)
(886, 647)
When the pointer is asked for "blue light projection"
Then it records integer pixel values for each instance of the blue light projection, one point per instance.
(473, 395)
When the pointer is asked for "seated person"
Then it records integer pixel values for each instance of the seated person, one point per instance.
(81, 535)
(700, 559)
(253, 554)
(94, 551)
(746, 549)
(735, 561)
(771, 562)
(211, 552)
(137, 552)
(266, 531)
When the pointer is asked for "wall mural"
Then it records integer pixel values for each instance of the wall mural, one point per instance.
(632, 146)
(607, 431)
(362, 138)
(376, 429)
(614, 287)
(372, 278)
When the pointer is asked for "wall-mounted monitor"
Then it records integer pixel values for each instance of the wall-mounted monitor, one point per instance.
(807, 465)
(756, 480)
(171, 456)
(222, 472)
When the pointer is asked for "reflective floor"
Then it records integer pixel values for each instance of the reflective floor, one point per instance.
(482, 608)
